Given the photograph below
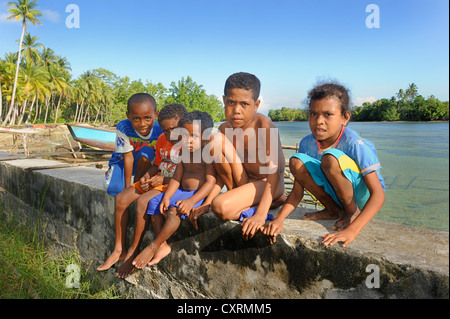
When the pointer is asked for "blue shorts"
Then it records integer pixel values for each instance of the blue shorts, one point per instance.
(250, 212)
(114, 181)
(348, 167)
(155, 202)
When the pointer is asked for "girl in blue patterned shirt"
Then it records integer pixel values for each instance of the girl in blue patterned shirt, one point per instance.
(337, 166)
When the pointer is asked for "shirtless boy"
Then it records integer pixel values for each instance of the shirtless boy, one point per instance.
(247, 157)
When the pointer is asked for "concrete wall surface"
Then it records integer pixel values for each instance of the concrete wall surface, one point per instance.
(385, 261)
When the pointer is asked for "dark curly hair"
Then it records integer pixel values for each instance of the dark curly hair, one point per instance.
(204, 117)
(170, 111)
(331, 89)
(140, 98)
(244, 81)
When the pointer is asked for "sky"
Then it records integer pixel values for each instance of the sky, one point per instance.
(289, 45)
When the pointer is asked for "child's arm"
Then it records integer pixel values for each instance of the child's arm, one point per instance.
(186, 205)
(203, 192)
(174, 184)
(205, 207)
(252, 225)
(274, 228)
(373, 205)
(128, 161)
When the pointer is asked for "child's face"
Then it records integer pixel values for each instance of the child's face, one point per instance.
(240, 107)
(192, 138)
(326, 120)
(167, 126)
(142, 116)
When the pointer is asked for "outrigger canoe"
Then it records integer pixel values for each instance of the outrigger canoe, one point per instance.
(97, 138)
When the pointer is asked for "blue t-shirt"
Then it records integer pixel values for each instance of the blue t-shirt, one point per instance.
(128, 140)
(360, 150)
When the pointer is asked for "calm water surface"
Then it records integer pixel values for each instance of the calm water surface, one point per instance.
(415, 165)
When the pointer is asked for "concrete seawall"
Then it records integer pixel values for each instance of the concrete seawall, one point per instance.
(385, 261)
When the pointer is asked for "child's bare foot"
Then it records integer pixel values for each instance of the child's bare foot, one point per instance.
(162, 252)
(323, 214)
(144, 257)
(127, 268)
(112, 259)
(345, 221)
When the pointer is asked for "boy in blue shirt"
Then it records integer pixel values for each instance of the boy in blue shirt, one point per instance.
(135, 144)
(337, 166)
(134, 152)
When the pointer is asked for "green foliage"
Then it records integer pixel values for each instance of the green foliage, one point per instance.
(288, 114)
(46, 92)
(409, 106)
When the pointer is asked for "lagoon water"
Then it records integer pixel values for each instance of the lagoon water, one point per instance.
(415, 165)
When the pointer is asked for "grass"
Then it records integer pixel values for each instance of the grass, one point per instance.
(28, 270)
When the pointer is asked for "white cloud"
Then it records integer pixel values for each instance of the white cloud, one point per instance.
(360, 100)
(50, 15)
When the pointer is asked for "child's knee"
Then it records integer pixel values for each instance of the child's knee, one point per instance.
(330, 164)
(172, 213)
(297, 168)
(122, 201)
(218, 208)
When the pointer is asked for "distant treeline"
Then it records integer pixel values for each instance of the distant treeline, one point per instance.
(407, 105)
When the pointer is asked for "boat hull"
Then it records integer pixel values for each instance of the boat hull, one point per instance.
(93, 137)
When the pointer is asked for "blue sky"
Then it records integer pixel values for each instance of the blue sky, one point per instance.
(288, 44)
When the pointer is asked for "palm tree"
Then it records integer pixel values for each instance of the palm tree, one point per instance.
(400, 95)
(30, 48)
(22, 10)
(412, 91)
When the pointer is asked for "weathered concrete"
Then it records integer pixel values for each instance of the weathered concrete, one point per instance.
(215, 262)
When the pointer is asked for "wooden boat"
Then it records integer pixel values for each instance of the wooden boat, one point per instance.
(97, 138)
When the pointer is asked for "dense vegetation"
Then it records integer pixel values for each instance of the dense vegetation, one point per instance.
(36, 85)
(407, 105)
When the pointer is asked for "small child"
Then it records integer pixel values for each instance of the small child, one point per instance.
(151, 184)
(191, 183)
(337, 166)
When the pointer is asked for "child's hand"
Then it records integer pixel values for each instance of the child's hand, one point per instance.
(273, 229)
(185, 206)
(164, 206)
(144, 181)
(156, 180)
(250, 226)
(196, 213)
(346, 236)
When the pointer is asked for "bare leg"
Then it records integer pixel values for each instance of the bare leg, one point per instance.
(142, 218)
(164, 249)
(344, 191)
(170, 226)
(123, 200)
(227, 163)
(303, 177)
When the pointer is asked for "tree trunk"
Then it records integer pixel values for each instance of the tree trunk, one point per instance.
(57, 107)
(38, 111)
(31, 109)
(17, 68)
(22, 113)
